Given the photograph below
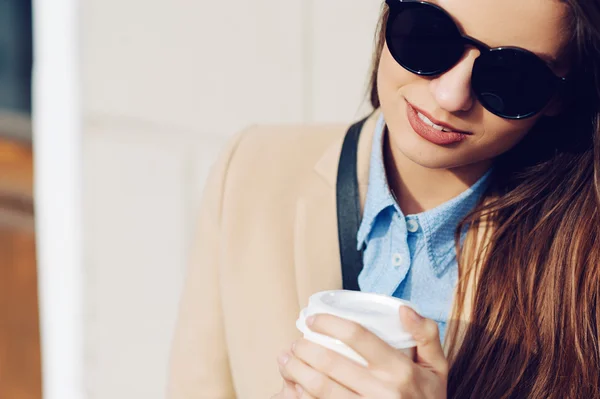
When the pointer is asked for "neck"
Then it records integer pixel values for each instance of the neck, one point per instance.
(419, 189)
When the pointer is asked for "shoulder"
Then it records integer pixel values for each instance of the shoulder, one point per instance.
(268, 164)
(271, 155)
(284, 145)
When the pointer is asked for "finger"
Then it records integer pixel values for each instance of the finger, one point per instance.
(302, 394)
(312, 381)
(289, 390)
(375, 351)
(289, 387)
(429, 347)
(339, 368)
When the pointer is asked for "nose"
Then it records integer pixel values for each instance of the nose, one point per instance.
(452, 90)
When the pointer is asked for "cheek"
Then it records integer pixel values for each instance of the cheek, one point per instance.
(499, 136)
(391, 77)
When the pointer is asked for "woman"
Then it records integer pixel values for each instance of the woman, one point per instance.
(478, 177)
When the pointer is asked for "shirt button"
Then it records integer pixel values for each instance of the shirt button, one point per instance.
(397, 260)
(412, 225)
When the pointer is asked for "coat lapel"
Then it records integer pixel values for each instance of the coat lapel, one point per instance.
(316, 245)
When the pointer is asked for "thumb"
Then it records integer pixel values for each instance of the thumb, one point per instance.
(426, 333)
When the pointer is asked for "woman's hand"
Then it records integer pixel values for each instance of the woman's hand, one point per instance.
(324, 374)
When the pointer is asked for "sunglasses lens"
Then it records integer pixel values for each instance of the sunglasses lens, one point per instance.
(423, 39)
(512, 83)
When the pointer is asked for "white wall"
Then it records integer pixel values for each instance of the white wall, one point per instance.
(164, 84)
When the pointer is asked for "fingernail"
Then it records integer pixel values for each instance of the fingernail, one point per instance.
(417, 318)
(310, 320)
(299, 389)
(283, 359)
(294, 346)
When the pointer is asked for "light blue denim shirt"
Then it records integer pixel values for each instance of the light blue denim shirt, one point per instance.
(411, 257)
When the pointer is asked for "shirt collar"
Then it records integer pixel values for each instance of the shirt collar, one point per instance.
(379, 195)
(438, 224)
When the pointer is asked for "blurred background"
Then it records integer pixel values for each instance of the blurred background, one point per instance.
(111, 113)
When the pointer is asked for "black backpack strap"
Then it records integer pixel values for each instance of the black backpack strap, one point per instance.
(348, 208)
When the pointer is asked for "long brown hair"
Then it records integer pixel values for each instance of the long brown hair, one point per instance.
(534, 321)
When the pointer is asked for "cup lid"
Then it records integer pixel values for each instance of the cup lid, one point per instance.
(377, 313)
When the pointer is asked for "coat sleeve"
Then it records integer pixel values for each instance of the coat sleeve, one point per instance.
(199, 365)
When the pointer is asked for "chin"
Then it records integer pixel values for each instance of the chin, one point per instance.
(432, 162)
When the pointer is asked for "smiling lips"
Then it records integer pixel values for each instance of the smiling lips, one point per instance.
(434, 132)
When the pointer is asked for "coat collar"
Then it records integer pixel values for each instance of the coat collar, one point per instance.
(327, 165)
(316, 246)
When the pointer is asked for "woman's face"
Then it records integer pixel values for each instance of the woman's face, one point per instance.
(536, 25)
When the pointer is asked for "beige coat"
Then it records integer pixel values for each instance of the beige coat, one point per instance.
(267, 240)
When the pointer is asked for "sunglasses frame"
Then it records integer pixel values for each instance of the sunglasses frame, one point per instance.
(468, 41)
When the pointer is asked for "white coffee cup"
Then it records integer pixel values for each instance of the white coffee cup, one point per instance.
(377, 313)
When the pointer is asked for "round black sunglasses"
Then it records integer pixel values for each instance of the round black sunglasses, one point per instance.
(510, 82)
